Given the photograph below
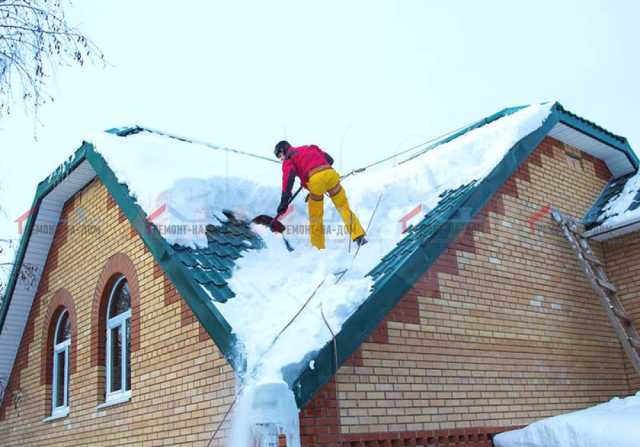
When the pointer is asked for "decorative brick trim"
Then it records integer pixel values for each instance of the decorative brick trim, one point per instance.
(170, 292)
(118, 264)
(599, 166)
(463, 437)
(320, 427)
(203, 335)
(319, 420)
(60, 239)
(111, 203)
(121, 216)
(60, 302)
(171, 296)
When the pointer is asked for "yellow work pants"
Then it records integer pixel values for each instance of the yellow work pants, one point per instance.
(328, 182)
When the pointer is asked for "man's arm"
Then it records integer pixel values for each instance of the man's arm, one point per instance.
(288, 179)
(329, 158)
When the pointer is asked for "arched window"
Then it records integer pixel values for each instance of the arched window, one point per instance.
(60, 388)
(118, 346)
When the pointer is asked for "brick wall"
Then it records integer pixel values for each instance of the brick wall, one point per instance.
(181, 385)
(504, 328)
(622, 259)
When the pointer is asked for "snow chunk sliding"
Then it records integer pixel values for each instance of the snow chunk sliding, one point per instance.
(612, 424)
(617, 212)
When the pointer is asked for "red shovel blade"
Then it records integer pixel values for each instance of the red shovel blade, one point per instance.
(275, 225)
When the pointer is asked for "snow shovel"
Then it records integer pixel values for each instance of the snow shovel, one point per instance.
(274, 224)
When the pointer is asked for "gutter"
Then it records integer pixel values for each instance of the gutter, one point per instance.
(603, 232)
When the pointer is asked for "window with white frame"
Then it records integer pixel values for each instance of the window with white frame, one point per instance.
(60, 388)
(118, 346)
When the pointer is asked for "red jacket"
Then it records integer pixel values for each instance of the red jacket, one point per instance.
(300, 162)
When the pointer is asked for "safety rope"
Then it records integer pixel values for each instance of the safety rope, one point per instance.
(404, 151)
(204, 143)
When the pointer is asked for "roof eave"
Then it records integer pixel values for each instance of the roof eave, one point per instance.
(596, 132)
(606, 232)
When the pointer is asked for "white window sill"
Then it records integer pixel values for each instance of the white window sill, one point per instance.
(58, 414)
(115, 399)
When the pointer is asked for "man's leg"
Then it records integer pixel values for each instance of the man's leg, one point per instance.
(316, 228)
(351, 221)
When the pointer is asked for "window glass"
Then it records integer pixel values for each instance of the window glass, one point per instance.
(60, 382)
(116, 359)
(120, 300)
(64, 328)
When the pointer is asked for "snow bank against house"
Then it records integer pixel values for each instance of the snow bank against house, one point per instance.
(617, 211)
(613, 424)
(271, 285)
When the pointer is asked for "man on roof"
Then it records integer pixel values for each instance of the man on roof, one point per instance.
(314, 169)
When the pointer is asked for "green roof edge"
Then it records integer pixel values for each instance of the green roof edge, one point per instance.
(357, 328)
(198, 300)
(599, 133)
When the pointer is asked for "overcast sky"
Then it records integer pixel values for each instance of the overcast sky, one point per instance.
(362, 79)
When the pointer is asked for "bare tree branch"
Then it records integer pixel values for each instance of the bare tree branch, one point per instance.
(35, 38)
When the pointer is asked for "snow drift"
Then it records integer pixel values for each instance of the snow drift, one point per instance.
(612, 424)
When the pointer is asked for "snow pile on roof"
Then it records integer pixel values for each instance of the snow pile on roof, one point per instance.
(619, 209)
(272, 285)
(194, 181)
(612, 424)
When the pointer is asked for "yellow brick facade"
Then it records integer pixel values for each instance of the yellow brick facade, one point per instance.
(622, 256)
(181, 385)
(514, 332)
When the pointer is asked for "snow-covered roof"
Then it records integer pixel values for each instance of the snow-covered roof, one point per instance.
(242, 283)
(617, 210)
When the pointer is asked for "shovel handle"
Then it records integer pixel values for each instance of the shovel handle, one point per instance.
(295, 194)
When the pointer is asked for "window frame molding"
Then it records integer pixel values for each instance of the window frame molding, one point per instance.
(116, 266)
(60, 302)
(119, 322)
(58, 347)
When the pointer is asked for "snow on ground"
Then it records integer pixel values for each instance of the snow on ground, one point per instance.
(617, 212)
(272, 284)
(612, 424)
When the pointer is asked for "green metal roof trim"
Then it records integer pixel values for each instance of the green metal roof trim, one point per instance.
(599, 133)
